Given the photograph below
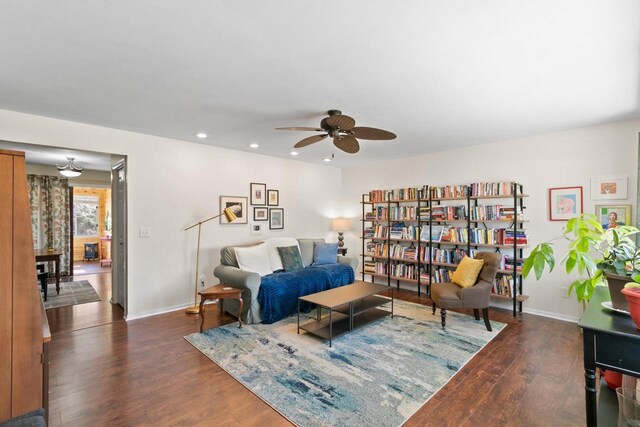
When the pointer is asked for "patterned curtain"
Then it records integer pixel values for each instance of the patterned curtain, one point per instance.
(50, 221)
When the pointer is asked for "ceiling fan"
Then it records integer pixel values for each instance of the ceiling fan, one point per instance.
(344, 132)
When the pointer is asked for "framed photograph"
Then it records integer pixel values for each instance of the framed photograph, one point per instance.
(611, 216)
(565, 203)
(276, 219)
(273, 198)
(258, 193)
(240, 210)
(614, 187)
(260, 214)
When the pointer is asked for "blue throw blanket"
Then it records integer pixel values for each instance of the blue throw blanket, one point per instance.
(279, 292)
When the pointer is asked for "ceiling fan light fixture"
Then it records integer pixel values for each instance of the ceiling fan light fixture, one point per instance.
(71, 169)
(327, 159)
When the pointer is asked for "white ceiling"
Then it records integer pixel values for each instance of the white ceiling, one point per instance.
(439, 74)
(52, 156)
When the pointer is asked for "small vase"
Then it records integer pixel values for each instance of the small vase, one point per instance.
(633, 299)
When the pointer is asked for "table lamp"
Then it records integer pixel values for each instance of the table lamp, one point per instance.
(230, 214)
(340, 225)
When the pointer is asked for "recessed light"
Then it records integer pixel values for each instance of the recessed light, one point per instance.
(254, 145)
(294, 153)
(201, 135)
(327, 159)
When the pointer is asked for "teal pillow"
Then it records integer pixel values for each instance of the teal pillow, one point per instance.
(325, 253)
(291, 258)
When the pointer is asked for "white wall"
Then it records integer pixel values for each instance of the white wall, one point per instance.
(561, 159)
(172, 184)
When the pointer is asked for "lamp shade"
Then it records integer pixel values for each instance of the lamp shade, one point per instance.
(341, 224)
(229, 213)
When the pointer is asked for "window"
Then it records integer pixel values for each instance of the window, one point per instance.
(85, 216)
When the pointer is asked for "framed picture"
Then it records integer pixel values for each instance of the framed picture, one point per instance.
(258, 193)
(260, 214)
(565, 203)
(614, 187)
(276, 219)
(611, 216)
(273, 198)
(240, 211)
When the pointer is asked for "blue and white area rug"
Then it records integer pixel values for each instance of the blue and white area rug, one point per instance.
(378, 375)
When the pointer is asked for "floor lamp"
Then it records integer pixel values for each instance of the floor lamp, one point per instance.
(230, 214)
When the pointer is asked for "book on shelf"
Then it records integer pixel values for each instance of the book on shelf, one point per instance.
(484, 189)
(396, 231)
(398, 194)
(503, 286)
(440, 275)
(370, 267)
(449, 192)
(436, 233)
(494, 213)
(370, 216)
(508, 262)
(448, 213)
(368, 232)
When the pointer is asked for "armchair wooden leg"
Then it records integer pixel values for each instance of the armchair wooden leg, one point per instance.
(433, 306)
(443, 315)
(485, 316)
(476, 313)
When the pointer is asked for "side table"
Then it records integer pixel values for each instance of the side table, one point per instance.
(220, 292)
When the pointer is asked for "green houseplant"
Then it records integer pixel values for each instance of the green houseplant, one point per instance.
(596, 253)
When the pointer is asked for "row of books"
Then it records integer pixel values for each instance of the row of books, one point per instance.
(448, 192)
(504, 286)
(398, 194)
(477, 189)
(445, 234)
(396, 213)
(494, 213)
(491, 189)
(446, 213)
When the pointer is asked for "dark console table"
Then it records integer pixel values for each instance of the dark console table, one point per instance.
(611, 341)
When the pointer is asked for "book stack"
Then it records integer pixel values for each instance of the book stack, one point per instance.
(396, 231)
(368, 232)
(508, 261)
(380, 232)
(406, 271)
(448, 256)
(510, 235)
(370, 216)
(369, 267)
(507, 213)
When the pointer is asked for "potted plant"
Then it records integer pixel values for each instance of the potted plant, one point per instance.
(631, 291)
(599, 255)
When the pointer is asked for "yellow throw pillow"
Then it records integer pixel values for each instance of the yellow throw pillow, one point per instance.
(466, 275)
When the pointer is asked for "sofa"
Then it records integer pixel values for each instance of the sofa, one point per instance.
(289, 284)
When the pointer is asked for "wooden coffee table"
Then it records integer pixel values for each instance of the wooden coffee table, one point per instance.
(220, 292)
(349, 306)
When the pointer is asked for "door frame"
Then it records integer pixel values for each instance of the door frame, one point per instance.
(119, 225)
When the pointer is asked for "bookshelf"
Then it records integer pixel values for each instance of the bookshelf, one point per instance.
(419, 235)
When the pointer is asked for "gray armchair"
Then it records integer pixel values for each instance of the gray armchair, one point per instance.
(449, 295)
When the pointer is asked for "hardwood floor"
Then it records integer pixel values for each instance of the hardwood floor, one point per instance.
(144, 373)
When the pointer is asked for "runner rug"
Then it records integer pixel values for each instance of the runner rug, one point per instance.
(378, 375)
(71, 293)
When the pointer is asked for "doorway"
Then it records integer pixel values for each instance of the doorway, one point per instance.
(91, 222)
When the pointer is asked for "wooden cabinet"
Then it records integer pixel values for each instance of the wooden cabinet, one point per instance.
(21, 319)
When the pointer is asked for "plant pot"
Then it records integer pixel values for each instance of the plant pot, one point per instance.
(616, 284)
(633, 299)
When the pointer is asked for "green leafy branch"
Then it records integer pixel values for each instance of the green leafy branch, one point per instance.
(616, 253)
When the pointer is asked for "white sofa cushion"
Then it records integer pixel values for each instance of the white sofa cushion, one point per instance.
(273, 244)
(255, 259)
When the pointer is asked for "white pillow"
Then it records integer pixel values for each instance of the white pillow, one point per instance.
(273, 244)
(254, 259)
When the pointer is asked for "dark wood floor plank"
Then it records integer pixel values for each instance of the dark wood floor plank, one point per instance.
(105, 371)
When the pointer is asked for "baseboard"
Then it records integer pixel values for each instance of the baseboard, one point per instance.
(563, 317)
(150, 313)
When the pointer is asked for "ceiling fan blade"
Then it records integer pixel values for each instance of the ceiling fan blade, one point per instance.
(310, 140)
(302, 128)
(348, 144)
(342, 122)
(363, 132)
